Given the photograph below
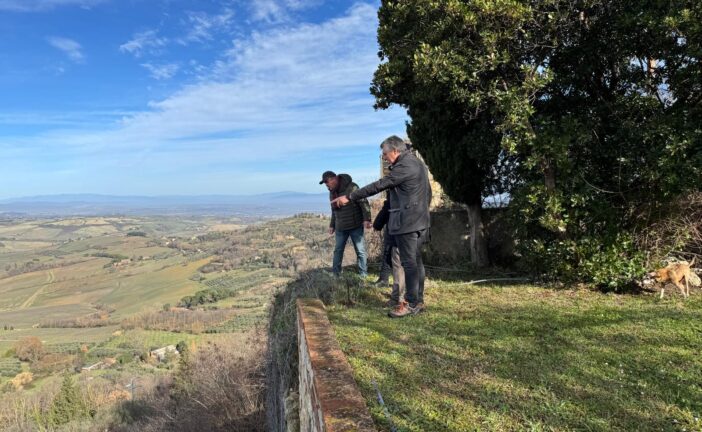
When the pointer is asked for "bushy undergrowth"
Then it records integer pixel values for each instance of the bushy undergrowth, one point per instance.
(217, 387)
(678, 233)
(610, 255)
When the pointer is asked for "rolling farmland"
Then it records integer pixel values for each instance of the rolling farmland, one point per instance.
(98, 295)
(72, 282)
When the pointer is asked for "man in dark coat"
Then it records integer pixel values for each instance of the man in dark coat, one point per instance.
(347, 221)
(409, 193)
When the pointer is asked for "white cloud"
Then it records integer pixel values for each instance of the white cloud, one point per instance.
(61, 119)
(202, 26)
(161, 72)
(146, 41)
(283, 95)
(70, 47)
(278, 10)
(311, 78)
(44, 5)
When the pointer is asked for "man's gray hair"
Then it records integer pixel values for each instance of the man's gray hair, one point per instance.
(394, 143)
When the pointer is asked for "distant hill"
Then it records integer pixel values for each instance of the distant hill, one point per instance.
(263, 205)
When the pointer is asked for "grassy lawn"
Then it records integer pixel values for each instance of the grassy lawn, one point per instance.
(519, 357)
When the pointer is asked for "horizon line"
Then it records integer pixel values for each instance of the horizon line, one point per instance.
(157, 195)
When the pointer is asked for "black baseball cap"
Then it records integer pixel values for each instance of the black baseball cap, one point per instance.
(326, 176)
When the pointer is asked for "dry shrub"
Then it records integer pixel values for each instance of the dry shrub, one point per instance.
(374, 239)
(19, 411)
(97, 319)
(192, 321)
(677, 234)
(374, 245)
(102, 393)
(218, 387)
(55, 363)
(118, 396)
(29, 348)
(21, 380)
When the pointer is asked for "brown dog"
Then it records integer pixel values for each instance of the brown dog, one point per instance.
(675, 273)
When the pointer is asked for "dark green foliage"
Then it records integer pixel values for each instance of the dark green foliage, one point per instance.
(129, 412)
(136, 234)
(68, 404)
(621, 137)
(596, 106)
(209, 295)
(428, 49)
(113, 257)
(227, 286)
(182, 347)
(212, 236)
(424, 45)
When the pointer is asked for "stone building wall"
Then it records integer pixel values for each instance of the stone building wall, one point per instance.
(450, 238)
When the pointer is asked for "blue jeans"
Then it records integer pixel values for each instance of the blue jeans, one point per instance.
(358, 244)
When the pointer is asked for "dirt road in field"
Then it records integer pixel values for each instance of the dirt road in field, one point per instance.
(49, 280)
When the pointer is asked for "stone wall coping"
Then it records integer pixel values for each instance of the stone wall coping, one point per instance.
(342, 406)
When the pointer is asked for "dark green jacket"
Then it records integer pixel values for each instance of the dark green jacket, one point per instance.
(350, 216)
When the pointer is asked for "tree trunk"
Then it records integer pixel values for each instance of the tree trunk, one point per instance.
(549, 177)
(550, 183)
(478, 241)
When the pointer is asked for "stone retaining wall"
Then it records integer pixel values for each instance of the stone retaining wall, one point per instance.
(329, 398)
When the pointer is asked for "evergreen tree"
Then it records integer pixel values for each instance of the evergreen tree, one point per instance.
(68, 404)
(597, 104)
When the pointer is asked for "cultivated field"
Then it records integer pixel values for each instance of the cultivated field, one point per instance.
(105, 292)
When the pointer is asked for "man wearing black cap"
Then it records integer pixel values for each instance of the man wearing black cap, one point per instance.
(347, 221)
(409, 193)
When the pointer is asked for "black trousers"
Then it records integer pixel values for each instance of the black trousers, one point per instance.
(386, 262)
(410, 246)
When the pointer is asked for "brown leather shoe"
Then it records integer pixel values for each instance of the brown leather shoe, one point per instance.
(420, 307)
(402, 310)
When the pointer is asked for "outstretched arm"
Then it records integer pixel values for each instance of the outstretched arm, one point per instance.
(387, 182)
(396, 177)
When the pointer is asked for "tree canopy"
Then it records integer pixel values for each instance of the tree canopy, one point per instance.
(598, 103)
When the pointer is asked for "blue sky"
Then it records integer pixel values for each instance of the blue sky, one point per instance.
(188, 97)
